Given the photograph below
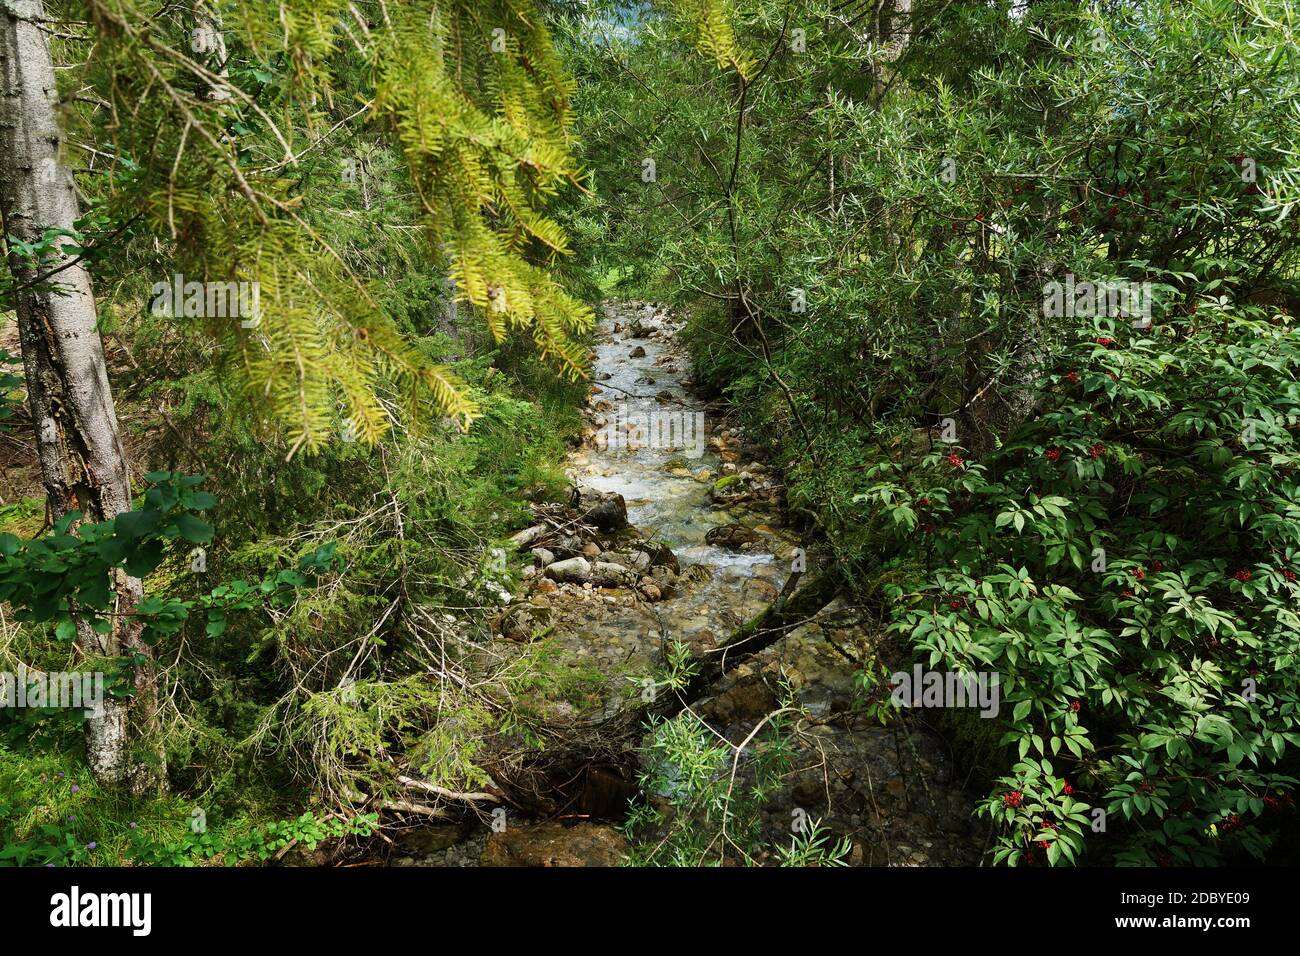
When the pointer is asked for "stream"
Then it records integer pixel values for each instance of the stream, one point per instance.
(692, 483)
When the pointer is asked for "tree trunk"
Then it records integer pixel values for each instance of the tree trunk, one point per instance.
(82, 462)
(208, 43)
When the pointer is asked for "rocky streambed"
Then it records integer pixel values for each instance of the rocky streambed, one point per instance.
(674, 533)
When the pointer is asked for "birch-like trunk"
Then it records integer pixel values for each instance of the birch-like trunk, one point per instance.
(208, 43)
(77, 440)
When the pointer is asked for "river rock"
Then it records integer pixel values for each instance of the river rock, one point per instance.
(636, 560)
(609, 574)
(543, 556)
(665, 579)
(528, 536)
(523, 622)
(607, 512)
(570, 569)
(731, 536)
(752, 700)
(552, 844)
(637, 352)
(695, 574)
(662, 556)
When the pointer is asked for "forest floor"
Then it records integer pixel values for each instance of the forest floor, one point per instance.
(693, 484)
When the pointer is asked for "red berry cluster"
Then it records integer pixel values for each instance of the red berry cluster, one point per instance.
(955, 459)
(1241, 574)
(1013, 798)
(1053, 454)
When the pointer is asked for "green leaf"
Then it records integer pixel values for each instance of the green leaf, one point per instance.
(193, 529)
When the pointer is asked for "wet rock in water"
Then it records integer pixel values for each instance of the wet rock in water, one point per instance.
(638, 352)
(552, 844)
(607, 512)
(665, 397)
(665, 579)
(661, 555)
(650, 590)
(645, 380)
(731, 536)
(695, 574)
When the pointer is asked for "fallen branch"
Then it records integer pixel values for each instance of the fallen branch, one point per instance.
(426, 787)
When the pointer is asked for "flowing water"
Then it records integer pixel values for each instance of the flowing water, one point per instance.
(890, 790)
(653, 421)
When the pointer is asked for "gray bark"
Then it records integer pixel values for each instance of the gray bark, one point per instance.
(208, 43)
(82, 462)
